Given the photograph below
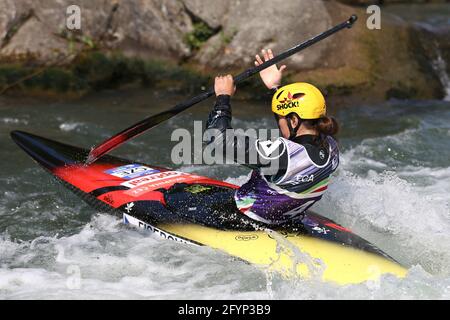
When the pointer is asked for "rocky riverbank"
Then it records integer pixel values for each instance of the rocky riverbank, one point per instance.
(180, 44)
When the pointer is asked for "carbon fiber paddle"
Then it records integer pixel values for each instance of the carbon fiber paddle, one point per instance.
(152, 121)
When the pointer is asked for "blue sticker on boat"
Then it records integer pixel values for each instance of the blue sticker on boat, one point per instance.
(131, 171)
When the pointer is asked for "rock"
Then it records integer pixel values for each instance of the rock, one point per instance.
(158, 28)
(212, 12)
(433, 48)
(137, 27)
(374, 65)
(12, 15)
(94, 16)
(387, 2)
(155, 27)
(7, 14)
(217, 36)
(246, 30)
(31, 42)
(361, 2)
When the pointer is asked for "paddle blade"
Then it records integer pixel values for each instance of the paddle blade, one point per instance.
(135, 130)
(105, 147)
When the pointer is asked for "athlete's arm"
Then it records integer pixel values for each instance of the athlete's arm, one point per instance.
(270, 157)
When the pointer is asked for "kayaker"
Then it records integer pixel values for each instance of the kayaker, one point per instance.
(305, 155)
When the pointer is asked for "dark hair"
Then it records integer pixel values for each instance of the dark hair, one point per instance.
(327, 126)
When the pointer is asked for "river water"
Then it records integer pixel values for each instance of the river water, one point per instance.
(392, 188)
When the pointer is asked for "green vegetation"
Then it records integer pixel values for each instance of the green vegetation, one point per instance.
(197, 37)
(87, 41)
(96, 71)
(228, 37)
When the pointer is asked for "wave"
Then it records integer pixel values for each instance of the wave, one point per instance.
(404, 210)
(398, 204)
(110, 261)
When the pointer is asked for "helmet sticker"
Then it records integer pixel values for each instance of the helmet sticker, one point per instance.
(291, 101)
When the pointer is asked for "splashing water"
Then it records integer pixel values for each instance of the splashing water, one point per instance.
(392, 188)
(440, 66)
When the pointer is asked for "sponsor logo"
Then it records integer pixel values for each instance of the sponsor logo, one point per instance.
(131, 171)
(245, 237)
(136, 192)
(129, 207)
(291, 101)
(108, 199)
(334, 163)
(322, 154)
(306, 178)
(288, 105)
(153, 178)
(153, 182)
(127, 219)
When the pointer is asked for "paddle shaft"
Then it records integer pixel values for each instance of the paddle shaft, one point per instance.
(152, 121)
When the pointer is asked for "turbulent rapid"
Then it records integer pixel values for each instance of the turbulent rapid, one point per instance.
(392, 188)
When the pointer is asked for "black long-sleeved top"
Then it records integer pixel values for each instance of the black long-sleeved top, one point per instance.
(269, 156)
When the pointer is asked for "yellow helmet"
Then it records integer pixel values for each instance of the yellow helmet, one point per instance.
(301, 98)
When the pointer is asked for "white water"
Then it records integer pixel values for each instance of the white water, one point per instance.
(440, 66)
(392, 188)
(114, 261)
(409, 221)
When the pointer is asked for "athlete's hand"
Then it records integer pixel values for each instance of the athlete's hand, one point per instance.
(272, 75)
(224, 85)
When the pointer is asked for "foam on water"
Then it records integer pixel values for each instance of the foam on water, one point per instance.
(10, 121)
(115, 261)
(392, 188)
(71, 126)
